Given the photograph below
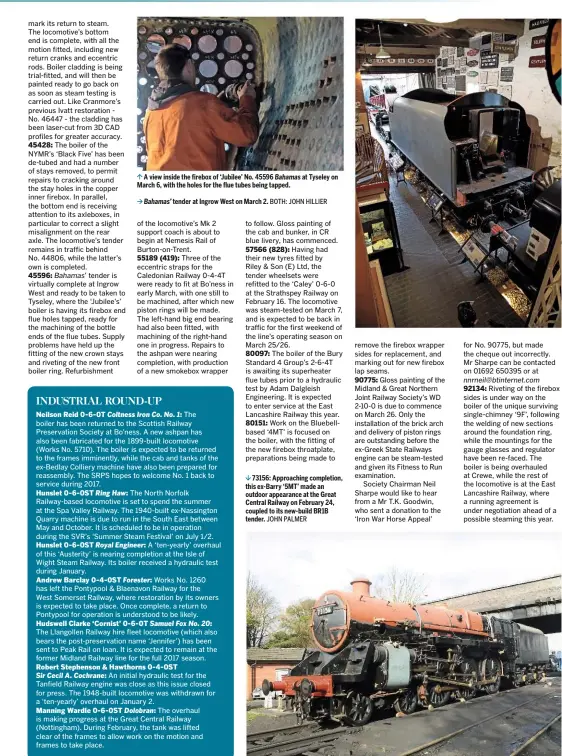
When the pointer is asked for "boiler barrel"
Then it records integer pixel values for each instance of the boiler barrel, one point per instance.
(338, 615)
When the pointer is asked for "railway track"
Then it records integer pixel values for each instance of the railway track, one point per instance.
(531, 718)
(263, 736)
(290, 741)
(452, 742)
(533, 739)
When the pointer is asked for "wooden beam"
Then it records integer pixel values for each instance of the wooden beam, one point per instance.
(507, 26)
(380, 67)
(415, 41)
(396, 51)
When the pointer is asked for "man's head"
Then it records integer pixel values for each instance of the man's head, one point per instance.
(173, 62)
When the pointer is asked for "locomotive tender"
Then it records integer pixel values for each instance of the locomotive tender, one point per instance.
(372, 653)
(472, 148)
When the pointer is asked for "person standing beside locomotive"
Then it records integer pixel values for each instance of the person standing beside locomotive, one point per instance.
(186, 129)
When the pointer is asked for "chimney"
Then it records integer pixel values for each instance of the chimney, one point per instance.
(361, 586)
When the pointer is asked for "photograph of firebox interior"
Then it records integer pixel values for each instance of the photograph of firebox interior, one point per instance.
(240, 94)
(458, 173)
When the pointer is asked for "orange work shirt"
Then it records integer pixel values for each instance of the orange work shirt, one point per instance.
(189, 132)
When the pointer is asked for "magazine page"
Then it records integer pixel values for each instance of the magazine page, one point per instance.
(264, 494)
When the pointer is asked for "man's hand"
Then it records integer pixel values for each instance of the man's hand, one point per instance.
(248, 90)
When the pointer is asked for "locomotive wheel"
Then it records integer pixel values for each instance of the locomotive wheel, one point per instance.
(491, 670)
(468, 667)
(466, 694)
(438, 697)
(358, 710)
(407, 702)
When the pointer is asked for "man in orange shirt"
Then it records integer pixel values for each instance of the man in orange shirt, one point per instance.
(186, 129)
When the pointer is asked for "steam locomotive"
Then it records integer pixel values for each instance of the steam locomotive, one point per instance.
(473, 149)
(373, 654)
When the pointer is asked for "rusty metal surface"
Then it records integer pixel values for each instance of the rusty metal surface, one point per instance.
(495, 181)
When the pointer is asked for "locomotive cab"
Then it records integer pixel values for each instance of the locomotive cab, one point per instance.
(525, 650)
(496, 130)
(488, 133)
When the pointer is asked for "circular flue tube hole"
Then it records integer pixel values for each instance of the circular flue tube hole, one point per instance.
(155, 43)
(233, 69)
(207, 44)
(232, 44)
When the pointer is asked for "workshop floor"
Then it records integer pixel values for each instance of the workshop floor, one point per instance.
(427, 295)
